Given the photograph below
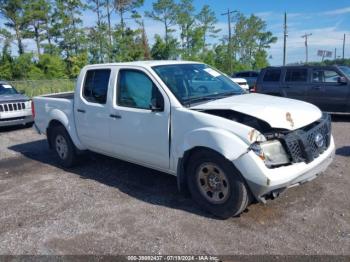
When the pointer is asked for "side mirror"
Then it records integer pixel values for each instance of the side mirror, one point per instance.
(22, 92)
(157, 104)
(342, 80)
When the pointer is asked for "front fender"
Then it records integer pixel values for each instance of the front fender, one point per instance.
(222, 141)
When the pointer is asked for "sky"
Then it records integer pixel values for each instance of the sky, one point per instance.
(326, 20)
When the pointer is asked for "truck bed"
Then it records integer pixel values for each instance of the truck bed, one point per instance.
(54, 107)
(64, 95)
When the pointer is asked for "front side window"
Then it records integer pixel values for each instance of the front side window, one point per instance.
(296, 75)
(325, 76)
(96, 85)
(6, 89)
(272, 75)
(192, 83)
(345, 70)
(136, 89)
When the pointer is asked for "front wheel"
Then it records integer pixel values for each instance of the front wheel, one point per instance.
(63, 147)
(216, 185)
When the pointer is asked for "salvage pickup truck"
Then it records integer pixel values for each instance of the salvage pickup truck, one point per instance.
(227, 148)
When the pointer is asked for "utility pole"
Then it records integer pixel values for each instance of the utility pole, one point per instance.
(229, 48)
(285, 39)
(344, 46)
(306, 47)
(335, 54)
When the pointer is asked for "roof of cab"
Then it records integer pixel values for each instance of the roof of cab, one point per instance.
(148, 63)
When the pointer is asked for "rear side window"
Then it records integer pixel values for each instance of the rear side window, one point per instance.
(96, 85)
(254, 74)
(296, 75)
(272, 75)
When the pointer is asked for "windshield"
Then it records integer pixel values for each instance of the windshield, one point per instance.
(6, 89)
(345, 70)
(192, 83)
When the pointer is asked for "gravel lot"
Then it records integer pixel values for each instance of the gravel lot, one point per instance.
(107, 206)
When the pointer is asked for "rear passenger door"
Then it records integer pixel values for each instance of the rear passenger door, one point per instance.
(327, 92)
(92, 110)
(295, 83)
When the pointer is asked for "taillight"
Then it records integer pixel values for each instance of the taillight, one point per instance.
(33, 109)
(253, 90)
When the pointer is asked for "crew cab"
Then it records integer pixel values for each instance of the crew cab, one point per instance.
(327, 87)
(226, 147)
(15, 108)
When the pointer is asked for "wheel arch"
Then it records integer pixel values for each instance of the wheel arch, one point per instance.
(58, 117)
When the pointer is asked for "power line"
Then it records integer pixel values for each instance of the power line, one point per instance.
(306, 47)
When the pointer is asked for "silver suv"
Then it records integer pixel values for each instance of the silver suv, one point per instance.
(15, 108)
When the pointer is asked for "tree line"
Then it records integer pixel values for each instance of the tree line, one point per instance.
(64, 45)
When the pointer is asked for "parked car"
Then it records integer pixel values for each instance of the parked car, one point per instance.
(250, 76)
(327, 87)
(189, 120)
(15, 108)
(241, 82)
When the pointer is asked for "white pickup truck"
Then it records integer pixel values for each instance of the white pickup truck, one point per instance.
(226, 147)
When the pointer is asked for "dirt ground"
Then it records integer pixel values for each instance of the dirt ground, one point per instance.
(107, 206)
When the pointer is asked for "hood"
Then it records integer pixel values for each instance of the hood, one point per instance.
(12, 98)
(238, 80)
(278, 112)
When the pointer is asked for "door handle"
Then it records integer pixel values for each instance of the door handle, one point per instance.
(115, 116)
(316, 87)
(286, 87)
(81, 110)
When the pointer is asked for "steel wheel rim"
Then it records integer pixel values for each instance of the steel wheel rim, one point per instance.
(213, 183)
(61, 147)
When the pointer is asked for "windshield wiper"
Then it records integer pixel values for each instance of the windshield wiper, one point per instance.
(189, 100)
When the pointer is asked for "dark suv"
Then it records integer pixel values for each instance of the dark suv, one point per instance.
(250, 76)
(327, 87)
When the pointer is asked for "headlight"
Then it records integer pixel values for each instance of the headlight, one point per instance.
(271, 152)
(28, 104)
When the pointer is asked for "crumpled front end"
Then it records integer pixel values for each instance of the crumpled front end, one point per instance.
(309, 151)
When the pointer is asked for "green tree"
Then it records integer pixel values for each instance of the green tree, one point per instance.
(98, 33)
(75, 63)
(162, 51)
(251, 39)
(67, 27)
(164, 11)
(36, 12)
(207, 20)
(185, 19)
(25, 68)
(52, 66)
(124, 6)
(16, 20)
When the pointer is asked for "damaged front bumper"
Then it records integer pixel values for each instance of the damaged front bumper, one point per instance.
(266, 183)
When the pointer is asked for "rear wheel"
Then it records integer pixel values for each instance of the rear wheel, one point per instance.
(216, 185)
(63, 146)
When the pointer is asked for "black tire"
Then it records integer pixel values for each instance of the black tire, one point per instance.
(28, 125)
(68, 159)
(237, 197)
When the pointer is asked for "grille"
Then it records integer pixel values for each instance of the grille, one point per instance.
(9, 107)
(301, 144)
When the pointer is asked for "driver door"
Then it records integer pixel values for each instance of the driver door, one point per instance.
(139, 133)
